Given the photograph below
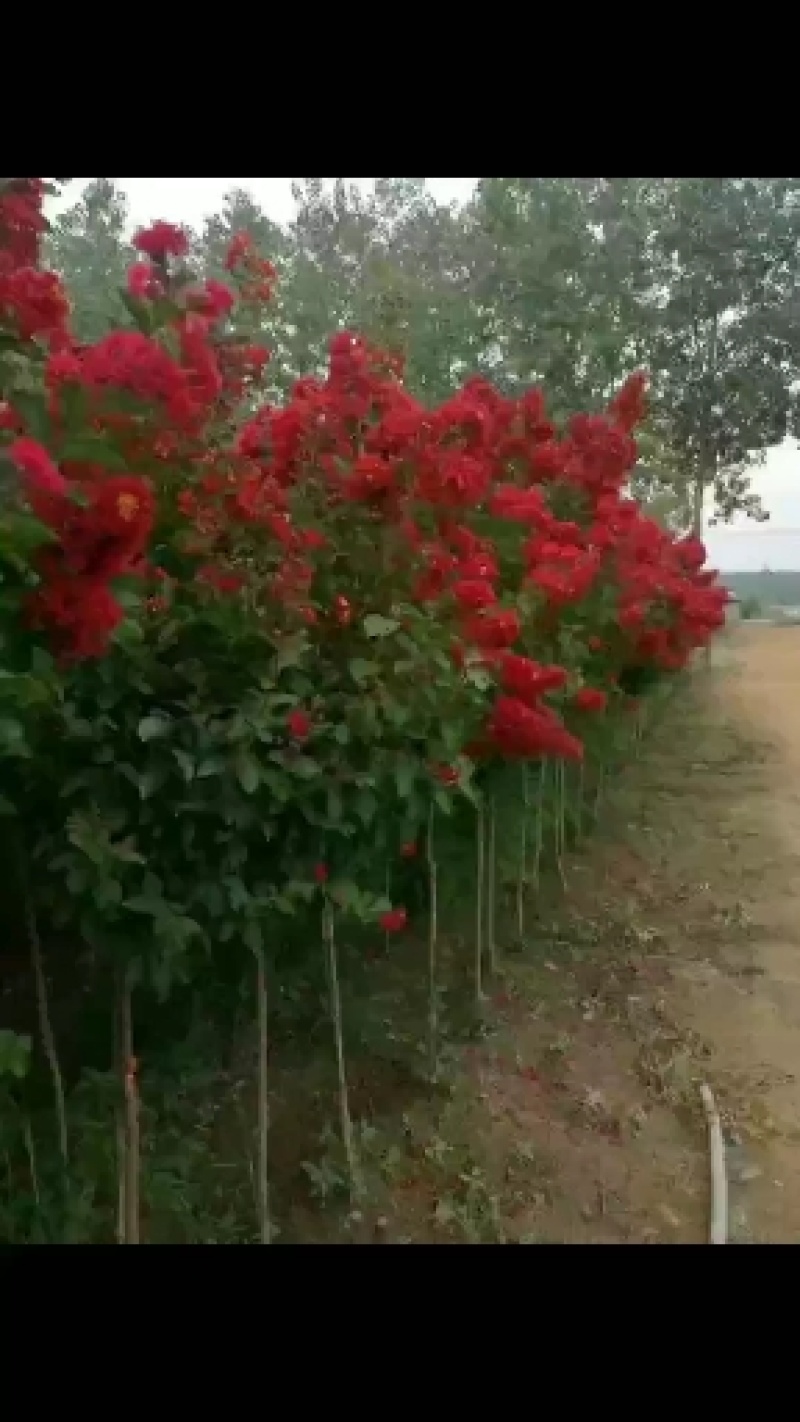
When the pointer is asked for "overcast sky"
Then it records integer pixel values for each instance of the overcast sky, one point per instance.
(742, 546)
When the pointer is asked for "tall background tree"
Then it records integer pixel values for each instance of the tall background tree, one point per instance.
(723, 340)
(87, 244)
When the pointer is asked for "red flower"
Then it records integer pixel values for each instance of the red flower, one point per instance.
(370, 478)
(494, 629)
(590, 698)
(299, 724)
(214, 301)
(161, 240)
(106, 536)
(394, 921)
(527, 680)
(409, 850)
(33, 302)
(522, 731)
(447, 775)
(9, 419)
(629, 405)
(142, 281)
(41, 474)
(223, 580)
(342, 611)
(321, 873)
(240, 247)
(474, 593)
(80, 615)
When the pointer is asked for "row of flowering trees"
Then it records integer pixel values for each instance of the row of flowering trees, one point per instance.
(250, 654)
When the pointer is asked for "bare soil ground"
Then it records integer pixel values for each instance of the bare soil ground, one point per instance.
(673, 958)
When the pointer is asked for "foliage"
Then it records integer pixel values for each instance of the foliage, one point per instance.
(724, 344)
(86, 244)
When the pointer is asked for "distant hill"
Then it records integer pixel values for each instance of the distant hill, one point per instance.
(771, 589)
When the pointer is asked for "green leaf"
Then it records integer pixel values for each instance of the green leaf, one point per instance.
(361, 670)
(143, 903)
(126, 851)
(302, 766)
(366, 806)
(74, 402)
(207, 768)
(149, 781)
(139, 310)
(377, 626)
(404, 777)
(15, 1054)
(443, 801)
(253, 937)
(34, 412)
(93, 449)
(345, 894)
(248, 772)
(152, 728)
(291, 653)
(12, 732)
(186, 764)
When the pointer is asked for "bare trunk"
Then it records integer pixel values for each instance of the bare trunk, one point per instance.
(480, 876)
(348, 1137)
(43, 1013)
(265, 1232)
(433, 939)
(130, 1083)
(698, 497)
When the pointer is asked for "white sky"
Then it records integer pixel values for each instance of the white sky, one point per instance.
(741, 546)
(189, 200)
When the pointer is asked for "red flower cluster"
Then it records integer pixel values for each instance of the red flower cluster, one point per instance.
(430, 483)
(33, 304)
(351, 498)
(22, 221)
(394, 920)
(591, 698)
(160, 241)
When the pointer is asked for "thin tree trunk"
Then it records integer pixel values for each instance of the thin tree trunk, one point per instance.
(30, 1151)
(698, 499)
(560, 834)
(130, 1083)
(265, 1231)
(538, 845)
(480, 877)
(433, 938)
(523, 853)
(491, 887)
(348, 1139)
(43, 1013)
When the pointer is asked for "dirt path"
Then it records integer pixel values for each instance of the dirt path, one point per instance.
(673, 958)
(751, 1017)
